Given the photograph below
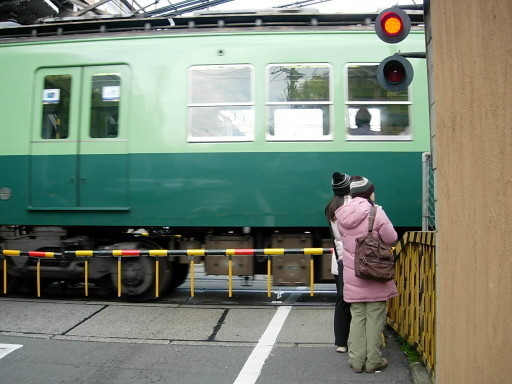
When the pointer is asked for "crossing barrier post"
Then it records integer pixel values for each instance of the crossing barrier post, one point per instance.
(119, 276)
(191, 276)
(157, 273)
(312, 275)
(38, 277)
(230, 276)
(4, 261)
(269, 277)
(86, 277)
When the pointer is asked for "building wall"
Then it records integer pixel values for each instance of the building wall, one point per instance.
(469, 51)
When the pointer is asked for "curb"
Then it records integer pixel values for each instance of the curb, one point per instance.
(419, 374)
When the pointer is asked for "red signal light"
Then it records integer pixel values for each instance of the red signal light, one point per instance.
(392, 25)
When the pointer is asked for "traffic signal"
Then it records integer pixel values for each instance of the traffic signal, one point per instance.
(395, 73)
(392, 25)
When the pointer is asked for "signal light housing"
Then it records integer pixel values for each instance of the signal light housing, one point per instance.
(395, 73)
(392, 25)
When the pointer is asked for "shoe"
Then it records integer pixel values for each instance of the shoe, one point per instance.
(356, 369)
(341, 349)
(383, 364)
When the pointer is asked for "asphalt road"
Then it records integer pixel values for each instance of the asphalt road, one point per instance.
(208, 338)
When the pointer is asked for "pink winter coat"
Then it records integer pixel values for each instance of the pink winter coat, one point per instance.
(352, 221)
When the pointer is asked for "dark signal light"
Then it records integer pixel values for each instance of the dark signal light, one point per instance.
(392, 25)
(395, 73)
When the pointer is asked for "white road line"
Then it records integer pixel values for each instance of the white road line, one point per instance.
(254, 364)
(5, 349)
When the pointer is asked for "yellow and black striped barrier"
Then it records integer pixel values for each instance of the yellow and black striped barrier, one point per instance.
(36, 254)
(156, 253)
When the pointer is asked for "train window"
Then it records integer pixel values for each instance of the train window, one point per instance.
(299, 102)
(105, 98)
(56, 106)
(373, 113)
(221, 106)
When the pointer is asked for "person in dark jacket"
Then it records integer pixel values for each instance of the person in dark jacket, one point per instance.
(341, 188)
(367, 297)
(363, 119)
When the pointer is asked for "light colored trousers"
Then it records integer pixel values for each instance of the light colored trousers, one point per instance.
(364, 341)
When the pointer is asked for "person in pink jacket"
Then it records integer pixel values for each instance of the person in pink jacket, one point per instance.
(367, 297)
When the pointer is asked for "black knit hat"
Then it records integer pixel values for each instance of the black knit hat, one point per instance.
(340, 184)
(361, 187)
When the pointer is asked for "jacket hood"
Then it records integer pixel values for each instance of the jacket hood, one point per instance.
(353, 214)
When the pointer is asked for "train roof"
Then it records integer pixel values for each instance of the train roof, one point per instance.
(271, 20)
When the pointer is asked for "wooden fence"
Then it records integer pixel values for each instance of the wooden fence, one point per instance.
(412, 313)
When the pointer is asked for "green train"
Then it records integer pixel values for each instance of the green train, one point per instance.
(208, 131)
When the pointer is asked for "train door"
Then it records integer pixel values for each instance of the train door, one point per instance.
(79, 147)
(103, 144)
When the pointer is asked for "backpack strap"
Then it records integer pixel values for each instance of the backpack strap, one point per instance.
(371, 219)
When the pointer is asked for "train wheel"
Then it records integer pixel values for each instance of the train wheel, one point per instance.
(179, 274)
(104, 287)
(138, 277)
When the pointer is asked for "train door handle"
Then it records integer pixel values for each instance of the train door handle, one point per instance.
(82, 180)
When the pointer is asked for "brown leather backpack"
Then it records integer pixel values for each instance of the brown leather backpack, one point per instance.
(373, 258)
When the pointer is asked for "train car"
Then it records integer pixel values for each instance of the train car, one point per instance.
(208, 131)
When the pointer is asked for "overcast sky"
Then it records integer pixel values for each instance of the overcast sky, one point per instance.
(345, 6)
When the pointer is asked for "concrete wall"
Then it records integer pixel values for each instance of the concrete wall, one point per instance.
(470, 57)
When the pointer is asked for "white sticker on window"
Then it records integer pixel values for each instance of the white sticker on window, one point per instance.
(51, 96)
(111, 93)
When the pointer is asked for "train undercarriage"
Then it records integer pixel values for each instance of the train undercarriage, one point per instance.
(138, 274)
